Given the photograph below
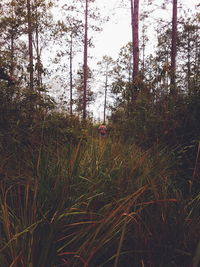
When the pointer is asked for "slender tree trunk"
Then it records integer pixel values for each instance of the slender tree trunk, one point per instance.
(143, 49)
(39, 71)
(12, 57)
(12, 48)
(30, 43)
(130, 92)
(130, 70)
(135, 40)
(85, 67)
(71, 74)
(167, 74)
(105, 95)
(188, 63)
(197, 60)
(173, 49)
(135, 24)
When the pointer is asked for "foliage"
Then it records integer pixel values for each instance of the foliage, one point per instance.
(73, 201)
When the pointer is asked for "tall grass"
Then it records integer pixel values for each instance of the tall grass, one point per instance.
(93, 202)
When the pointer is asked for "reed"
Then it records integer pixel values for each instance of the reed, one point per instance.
(95, 202)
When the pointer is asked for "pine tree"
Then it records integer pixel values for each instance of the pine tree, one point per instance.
(85, 61)
(69, 32)
(90, 96)
(106, 66)
(135, 41)
(11, 29)
(173, 49)
(30, 43)
(74, 30)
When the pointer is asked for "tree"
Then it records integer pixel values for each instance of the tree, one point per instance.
(79, 89)
(74, 30)
(173, 48)
(161, 61)
(106, 66)
(11, 29)
(92, 14)
(85, 61)
(30, 43)
(145, 19)
(188, 52)
(69, 33)
(42, 29)
(135, 40)
(122, 78)
(24, 18)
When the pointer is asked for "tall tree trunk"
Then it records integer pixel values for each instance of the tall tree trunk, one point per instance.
(188, 62)
(30, 43)
(39, 65)
(143, 49)
(70, 73)
(135, 39)
(12, 64)
(197, 59)
(173, 49)
(85, 59)
(105, 96)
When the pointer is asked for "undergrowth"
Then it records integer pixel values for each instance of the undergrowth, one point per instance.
(69, 199)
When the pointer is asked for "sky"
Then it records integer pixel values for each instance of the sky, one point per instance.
(117, 32)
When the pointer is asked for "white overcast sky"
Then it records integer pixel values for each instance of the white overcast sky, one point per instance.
(117, 32)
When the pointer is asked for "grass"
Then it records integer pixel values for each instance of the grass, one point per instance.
(93, 202)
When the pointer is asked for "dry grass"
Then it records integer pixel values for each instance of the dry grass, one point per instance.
(97, 203)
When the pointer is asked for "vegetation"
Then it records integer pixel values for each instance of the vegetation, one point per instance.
(69, 197)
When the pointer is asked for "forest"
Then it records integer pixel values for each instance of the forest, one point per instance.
(70, 196)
